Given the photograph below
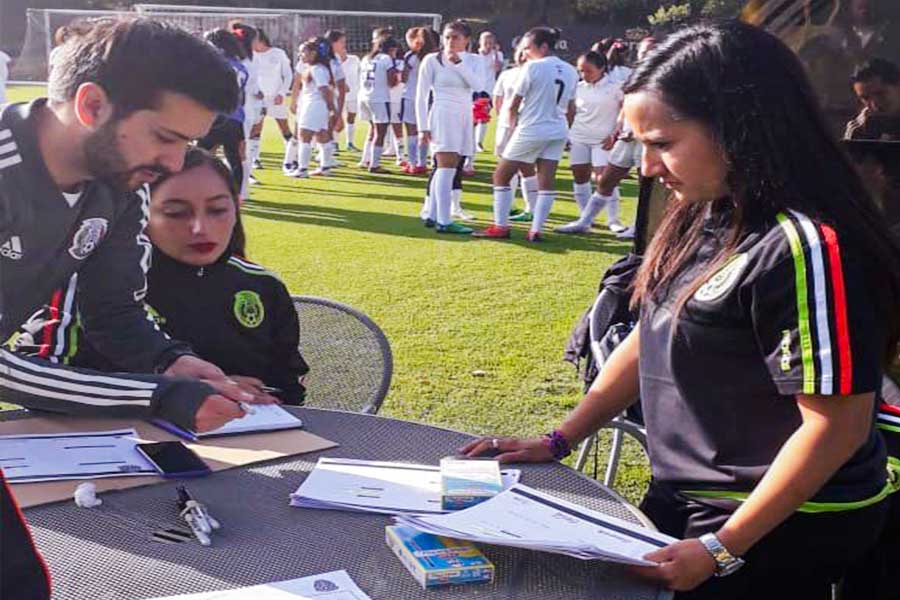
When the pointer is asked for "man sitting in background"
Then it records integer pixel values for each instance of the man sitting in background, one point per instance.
(877, 85)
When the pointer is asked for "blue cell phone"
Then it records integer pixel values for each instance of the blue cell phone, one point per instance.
(174, 460)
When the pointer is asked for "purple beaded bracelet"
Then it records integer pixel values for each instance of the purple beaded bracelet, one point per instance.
(558, 445)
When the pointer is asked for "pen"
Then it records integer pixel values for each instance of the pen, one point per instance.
(196, 516)
(272, 390)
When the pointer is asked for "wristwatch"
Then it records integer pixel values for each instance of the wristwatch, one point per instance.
(726, 563)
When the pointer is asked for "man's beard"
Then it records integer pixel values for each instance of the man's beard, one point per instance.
(106, 162)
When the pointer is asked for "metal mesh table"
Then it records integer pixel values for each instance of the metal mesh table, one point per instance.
(107, 553)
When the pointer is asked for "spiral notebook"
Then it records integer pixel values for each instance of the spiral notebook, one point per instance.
(265, 417)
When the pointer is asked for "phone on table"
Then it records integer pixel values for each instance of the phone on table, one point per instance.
(174, 460)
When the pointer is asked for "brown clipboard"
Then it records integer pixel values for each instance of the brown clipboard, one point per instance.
(219, 453)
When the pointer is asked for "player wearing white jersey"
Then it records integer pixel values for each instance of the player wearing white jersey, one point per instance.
(492, 63)
(379, 74)
(395, 132)
(253, 98)
(526, 177)
(448, 78)
(275, 79)
(542, 111)
(313, 92)
(339, 88)
(350, 67)
(421, 43)
(598, 101)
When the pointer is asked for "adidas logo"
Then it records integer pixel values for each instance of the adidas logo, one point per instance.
(12, 248)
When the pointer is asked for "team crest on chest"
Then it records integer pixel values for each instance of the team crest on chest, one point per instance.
(88, 237)
(249, 309)
(724, 279)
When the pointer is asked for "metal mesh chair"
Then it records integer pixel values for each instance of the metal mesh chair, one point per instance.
(349, 357)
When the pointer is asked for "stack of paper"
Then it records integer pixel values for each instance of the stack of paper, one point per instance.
(526, 518)
(263, 417)
(380, 487)
(336, 585)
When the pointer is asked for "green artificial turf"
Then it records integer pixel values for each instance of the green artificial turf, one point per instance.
(477, 327)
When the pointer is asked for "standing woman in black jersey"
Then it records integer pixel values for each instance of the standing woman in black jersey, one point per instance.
(767, 313)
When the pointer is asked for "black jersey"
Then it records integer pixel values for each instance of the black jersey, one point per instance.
(95, 247)
(789, 313)
(234, 313)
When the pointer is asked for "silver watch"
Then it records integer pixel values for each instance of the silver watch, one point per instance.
(726, 563)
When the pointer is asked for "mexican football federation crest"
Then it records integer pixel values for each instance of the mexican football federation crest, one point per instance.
(249, 309)
(88, 237)
(717, 285)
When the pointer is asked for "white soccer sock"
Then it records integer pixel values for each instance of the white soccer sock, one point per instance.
(327, 156)
(480, 132)
(468, 163)
(377, 151)
(612, 208)
(367, 152)
(253, 150)
(514, 185)
(442, 191)
(423, 155)
(542, 209)
(305, 155)
(456, 202)
(503, 199)
(290, 152)
(529, 192)
(582, 193)
(412, 148)
(351, 134)
(398, 151)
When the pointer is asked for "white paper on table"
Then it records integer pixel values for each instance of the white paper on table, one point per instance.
(526, 518)
(75, 455)
(376, 486)
(336, 585)
(265, 417)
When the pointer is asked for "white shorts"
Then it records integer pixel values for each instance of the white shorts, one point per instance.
(276, 111)
(501, 137)
(252, 115)
(626, 154)
(452, 129)
(529, 151)
(379, 112)
(408, 111)
(588, 154)
(351, 105)
(313, 117)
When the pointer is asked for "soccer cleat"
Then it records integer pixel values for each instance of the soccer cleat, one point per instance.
(515, 212)
(626, 234)
(300, 174)
(496, 232)
(422, 170)
(617, 227)
(535, 236)
(574, 227)
(252, 180)
(429, 223)
(322, 172)
(288, 168)
(334, 164)
(468, 172)
(480, 147)
(362, 165)
(454, 228)
(257, 164)
(379, 170)
(524, 217)
(353, 148)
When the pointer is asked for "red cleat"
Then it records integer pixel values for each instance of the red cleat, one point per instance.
(494, 232)
(535, 236)
(420, 170)
(468, 172)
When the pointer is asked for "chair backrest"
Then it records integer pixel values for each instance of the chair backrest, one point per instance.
(349, 357)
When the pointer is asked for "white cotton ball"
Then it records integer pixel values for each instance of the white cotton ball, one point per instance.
(86, 496)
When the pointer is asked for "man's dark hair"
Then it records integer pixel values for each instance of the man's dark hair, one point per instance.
(883, 69)
(136, 60)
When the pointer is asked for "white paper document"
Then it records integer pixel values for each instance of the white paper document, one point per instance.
(373, 486)
(85, 455)
(526, 518)
(265, 417)
(336, 585)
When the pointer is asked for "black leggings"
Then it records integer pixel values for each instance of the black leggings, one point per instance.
(798, 560)
(229, 134)
(457, 179)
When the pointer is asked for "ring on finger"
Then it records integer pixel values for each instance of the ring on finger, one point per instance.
(495, 443)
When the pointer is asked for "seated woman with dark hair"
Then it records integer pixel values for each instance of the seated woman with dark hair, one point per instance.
(201, 290)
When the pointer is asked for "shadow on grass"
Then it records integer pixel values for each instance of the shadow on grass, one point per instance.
(412, 227)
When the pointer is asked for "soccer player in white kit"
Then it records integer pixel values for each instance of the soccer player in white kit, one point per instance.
(395, 133)
(253, 96)
(313, 91)
(275, 79)
(350, 67)
(598, 101)
(378, 74)
(541, 112)
(449, 77)
(336, 122)
(420, 44)
(492, 58)
(504, 90)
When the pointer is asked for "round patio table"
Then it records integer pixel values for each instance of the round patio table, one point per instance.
(108, 553)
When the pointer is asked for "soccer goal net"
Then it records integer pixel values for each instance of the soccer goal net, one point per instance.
(285, 28)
